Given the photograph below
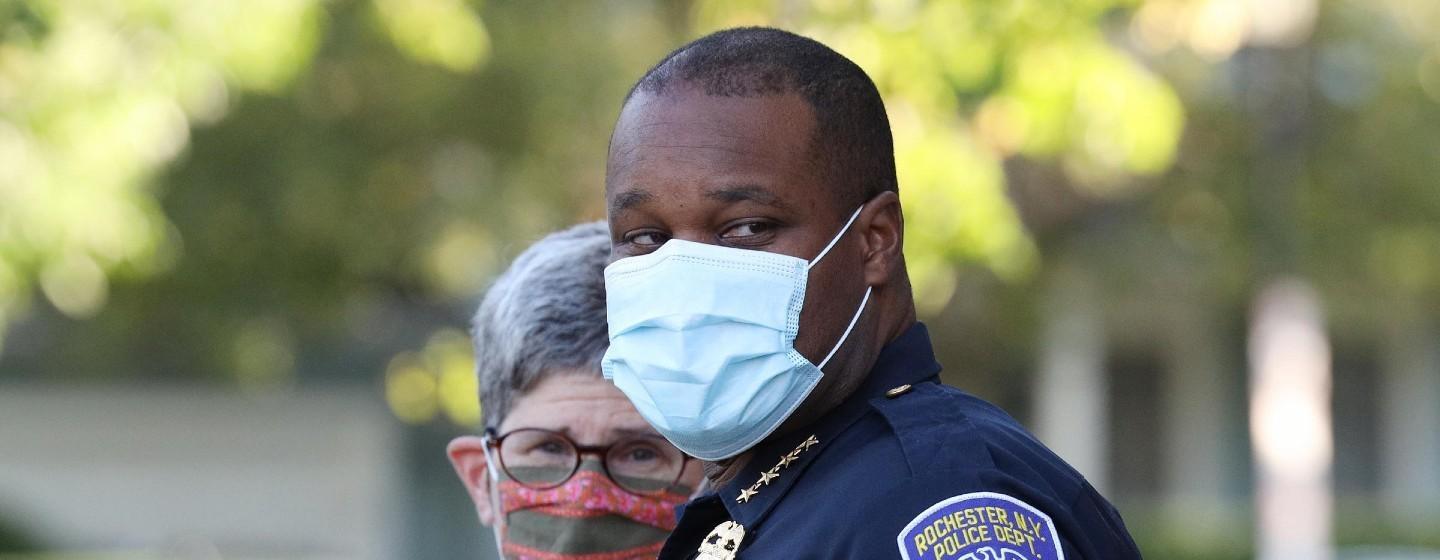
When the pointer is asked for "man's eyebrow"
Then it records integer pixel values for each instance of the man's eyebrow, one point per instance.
(746, 193)
(630, 199)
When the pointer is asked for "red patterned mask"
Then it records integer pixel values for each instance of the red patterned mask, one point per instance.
(588, 517)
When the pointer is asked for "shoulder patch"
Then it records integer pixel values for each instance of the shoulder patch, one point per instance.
(980, 526)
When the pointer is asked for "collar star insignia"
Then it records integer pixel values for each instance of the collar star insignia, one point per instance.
(774, 472)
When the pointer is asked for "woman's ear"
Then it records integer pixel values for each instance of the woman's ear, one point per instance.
(467, 455)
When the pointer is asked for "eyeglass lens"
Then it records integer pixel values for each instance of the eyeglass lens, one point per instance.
(545, 459)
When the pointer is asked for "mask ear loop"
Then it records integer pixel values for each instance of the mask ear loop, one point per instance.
(496, 504)
(863, 301)
(835, 239)
(853, 320)
(488, 441)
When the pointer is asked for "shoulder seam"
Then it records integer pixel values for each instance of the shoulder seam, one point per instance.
(953, 425)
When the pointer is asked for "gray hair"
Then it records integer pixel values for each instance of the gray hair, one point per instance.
(545, 314)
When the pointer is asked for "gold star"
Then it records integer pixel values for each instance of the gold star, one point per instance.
(745, 494)
(767, 476)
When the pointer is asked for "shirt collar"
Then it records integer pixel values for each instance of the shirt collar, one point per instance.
(908, 359)
(780, 461)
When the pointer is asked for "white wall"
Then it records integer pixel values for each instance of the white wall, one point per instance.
(202, 474)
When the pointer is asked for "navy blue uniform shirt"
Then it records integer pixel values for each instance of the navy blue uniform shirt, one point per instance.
(924, 471)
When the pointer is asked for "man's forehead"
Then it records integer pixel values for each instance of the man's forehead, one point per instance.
(727, 144)
(698, 121)
(635, 196)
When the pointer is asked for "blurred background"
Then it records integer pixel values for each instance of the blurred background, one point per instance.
(1193, 244)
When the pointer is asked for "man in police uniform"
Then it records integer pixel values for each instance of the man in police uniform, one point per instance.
(762, 140)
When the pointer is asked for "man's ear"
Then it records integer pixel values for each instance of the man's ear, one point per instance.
(883, 227)
(467, 455)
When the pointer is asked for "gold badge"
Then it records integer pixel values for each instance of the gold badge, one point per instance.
(723, 542)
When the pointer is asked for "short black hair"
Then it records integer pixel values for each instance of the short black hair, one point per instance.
(851, 143)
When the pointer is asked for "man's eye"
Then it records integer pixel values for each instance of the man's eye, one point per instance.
(747, 229)
(648, 239)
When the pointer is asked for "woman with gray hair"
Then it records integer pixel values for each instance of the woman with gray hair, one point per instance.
(566, 467)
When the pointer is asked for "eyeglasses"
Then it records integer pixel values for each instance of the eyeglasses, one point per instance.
(544, 459)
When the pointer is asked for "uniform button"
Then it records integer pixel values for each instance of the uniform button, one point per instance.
(898, 391)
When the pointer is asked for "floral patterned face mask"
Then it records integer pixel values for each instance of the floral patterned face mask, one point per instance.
(588, 517)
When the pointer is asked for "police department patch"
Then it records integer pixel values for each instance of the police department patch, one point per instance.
(980, 526)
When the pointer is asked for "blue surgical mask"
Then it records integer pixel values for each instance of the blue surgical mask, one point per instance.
(702, 341)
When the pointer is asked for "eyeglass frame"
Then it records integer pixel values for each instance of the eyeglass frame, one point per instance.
(493, 440)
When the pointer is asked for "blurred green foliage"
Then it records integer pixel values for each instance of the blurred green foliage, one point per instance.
(14, 540)
(302, 171)
(95, 98)
(352, 183)
(244, 190)
(970, 84)
(206, 190)
(264, 192)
